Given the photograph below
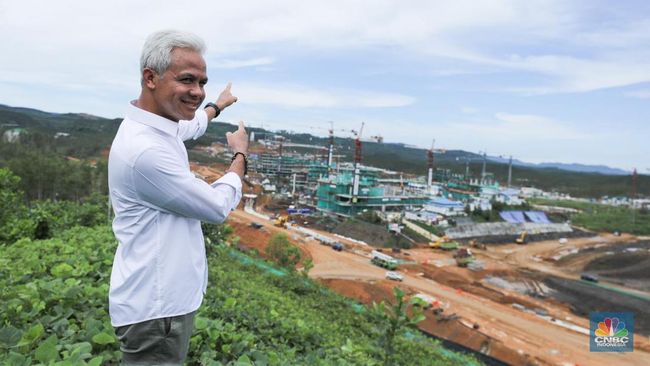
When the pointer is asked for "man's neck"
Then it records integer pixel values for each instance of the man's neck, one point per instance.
(146, 102)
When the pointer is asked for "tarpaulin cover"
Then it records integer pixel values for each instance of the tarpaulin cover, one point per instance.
(514, 217)
(537, 216)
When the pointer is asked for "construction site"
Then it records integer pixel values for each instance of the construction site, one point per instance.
(516, 291)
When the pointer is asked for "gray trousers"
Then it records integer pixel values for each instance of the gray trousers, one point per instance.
(163, 341)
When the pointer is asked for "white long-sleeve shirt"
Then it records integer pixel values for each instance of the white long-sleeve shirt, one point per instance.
(160, 267)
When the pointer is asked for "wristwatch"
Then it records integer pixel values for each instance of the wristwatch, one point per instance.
(216, 109)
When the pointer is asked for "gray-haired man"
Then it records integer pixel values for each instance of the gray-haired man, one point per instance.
(160, 270)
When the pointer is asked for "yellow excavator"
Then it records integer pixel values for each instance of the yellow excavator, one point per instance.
(281, 221)
(523, 238)
(444, 243)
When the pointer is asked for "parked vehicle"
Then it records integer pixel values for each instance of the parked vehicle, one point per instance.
(337, 246)
(383, 260)
(589, 277)
(394, 276)
(256, 225)
(464, 257)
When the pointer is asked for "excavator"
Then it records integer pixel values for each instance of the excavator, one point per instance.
(281, 221)
(444, 243)
(523, 238)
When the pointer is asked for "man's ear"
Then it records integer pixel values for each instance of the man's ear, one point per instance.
(149, 78)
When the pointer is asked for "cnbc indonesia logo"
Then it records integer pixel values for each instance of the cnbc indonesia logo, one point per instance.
(611, 333)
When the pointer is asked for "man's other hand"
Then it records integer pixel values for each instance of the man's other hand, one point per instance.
(226, 98)
(238, 140)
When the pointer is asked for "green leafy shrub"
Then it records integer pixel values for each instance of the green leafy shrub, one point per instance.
(282, 252)
(54, 311)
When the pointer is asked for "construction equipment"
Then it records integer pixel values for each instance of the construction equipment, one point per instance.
(477, 245)
(383, 260)
(523, 238)
(444, 243)
(281, 221)
(464, 257)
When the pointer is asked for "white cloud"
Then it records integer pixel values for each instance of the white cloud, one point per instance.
(641, 94)
(505, 128)
(469, 110)
(297, 96)
(235, 64)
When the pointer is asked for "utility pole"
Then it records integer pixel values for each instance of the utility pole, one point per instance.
(357, 162)
(633, 195)
(330, 152)
(430, 159)
(510, 171)
(483, 171)
(280, 155)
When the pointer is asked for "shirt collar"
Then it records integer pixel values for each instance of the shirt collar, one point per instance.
(151, 119)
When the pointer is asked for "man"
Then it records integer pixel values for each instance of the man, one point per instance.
(160, 270)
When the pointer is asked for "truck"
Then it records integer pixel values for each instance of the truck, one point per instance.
(444, 243)
(464, 257)
(430, 302)
(383, 260)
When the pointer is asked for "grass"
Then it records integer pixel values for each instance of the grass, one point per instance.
(598, 217)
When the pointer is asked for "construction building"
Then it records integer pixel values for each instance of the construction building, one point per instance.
(335, 194)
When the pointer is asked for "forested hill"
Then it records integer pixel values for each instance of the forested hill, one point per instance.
(85, 136)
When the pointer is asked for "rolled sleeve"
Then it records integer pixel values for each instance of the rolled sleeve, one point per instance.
(163, 183)
(195, 128)
(227, 182)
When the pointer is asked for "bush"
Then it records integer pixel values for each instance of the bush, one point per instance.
(281, 251)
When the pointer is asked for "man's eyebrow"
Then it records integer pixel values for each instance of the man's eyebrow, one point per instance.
(186, 75)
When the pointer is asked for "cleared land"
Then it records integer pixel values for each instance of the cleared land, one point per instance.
(516, 306)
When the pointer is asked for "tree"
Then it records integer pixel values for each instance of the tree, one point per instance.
(393, 321)
(282, 252)
(14, 220)
(307, 265)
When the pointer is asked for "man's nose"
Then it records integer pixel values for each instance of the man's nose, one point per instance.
(197, 91)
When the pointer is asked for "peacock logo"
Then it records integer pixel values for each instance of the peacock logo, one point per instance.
(611, 332)
(611, 327)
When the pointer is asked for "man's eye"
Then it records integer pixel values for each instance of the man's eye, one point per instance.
(186, 80)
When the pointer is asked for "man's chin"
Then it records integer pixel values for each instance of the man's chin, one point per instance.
(189, 117)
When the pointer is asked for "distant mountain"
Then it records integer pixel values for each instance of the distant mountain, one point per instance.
(89, 135)
(574, 167)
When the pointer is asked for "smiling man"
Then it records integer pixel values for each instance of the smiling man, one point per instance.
(160, 270)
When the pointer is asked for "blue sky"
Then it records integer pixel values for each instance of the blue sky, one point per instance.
(543, 81)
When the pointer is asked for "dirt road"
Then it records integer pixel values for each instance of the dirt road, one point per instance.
(525, 333)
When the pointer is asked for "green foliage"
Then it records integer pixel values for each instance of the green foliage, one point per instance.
(45, 218)
(394, 321)
(307, 265)
(12, 208)
(53, 299)
(53, 308)
(46, 173)
(282, 252)
(435, 230)
(216, 234)
(597, 217)
(370, 216)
